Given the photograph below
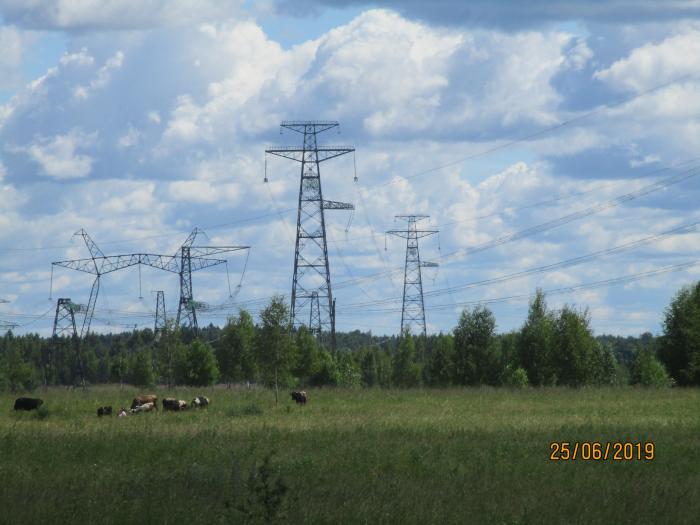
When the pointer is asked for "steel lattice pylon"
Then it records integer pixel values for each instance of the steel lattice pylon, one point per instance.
(159, 325)
(64, 325)
(315, 315)
(413, 309)
(311, 283)
(189, 258)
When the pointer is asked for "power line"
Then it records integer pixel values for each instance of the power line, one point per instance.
(560, 221)
(555, 291)
(540, 132)
(549, 267)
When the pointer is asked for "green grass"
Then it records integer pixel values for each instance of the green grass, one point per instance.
(421, 456)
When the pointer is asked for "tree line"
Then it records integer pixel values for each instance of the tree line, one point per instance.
(552, 347)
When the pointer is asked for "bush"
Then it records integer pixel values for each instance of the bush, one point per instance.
(515, 378)
(647, 370)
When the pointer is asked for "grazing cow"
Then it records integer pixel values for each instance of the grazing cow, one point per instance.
(200, 402)
(145, 407)
(143, 399)
(122, 412)
(27, 403)
(299, 397)
(104, 411)
(176, 405)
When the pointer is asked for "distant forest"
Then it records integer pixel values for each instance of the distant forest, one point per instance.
(550, 348)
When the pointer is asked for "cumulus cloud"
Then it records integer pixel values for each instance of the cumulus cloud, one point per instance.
(653, 64)
(164, 130)
(58, 156)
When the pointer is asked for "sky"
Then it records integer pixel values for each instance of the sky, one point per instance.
(554, 145)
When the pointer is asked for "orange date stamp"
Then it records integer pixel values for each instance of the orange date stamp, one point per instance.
(601, 451)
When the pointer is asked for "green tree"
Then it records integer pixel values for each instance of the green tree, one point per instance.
(141, 368)
(201, 364)
(575, 347)
(119, 368)
(308, 360)
(680, 344)
(536, 343)
(406, 372)
(235, 354)
(327, 371)
(605, 365)
(647, 370)
(368, 368)
(349, 374)
(475, 348)
(274, 346)
(18, 373)
(439, 370)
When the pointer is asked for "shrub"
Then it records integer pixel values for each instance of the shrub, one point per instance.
(516, 378)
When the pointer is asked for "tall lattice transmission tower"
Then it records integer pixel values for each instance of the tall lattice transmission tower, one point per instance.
(64, 325)
(159, 324)
(312, 298)
(413, 309)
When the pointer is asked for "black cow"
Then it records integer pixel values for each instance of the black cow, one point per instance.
(104, 411)
(27, 403)
(299, 397)
(176, 405)
(200, 402)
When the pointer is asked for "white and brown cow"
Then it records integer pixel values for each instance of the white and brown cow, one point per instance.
(143, 399)
(145, 407)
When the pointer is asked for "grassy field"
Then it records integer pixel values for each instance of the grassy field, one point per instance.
(421, 456)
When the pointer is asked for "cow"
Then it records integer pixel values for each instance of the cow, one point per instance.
(176, 405)
(28, 403)
(200, 402)
(147, 398)
(104, 411)
(122, 412)
(299, 397)
(145, 407)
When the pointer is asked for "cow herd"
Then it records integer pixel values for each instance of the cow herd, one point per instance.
(149, 403)
(146, 403)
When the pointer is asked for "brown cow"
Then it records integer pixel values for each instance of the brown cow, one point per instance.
(143, 399)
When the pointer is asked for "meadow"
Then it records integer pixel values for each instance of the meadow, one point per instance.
(351, 456)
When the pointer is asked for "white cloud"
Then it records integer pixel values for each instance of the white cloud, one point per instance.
(13, 43)
(103, 76)
(201, 191)
(130, 139)
(652, 64)
(58, 155)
